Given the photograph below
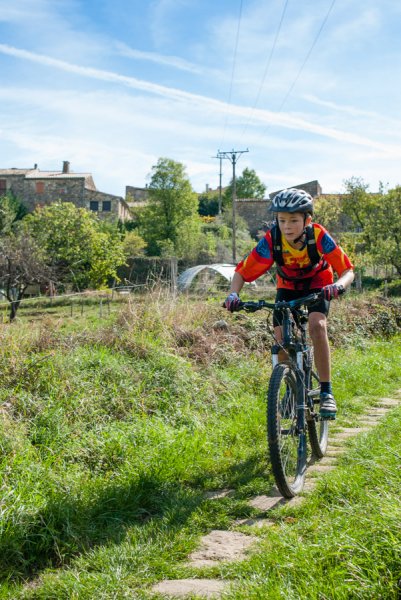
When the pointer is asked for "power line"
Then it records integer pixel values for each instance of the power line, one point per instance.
(232, 156)
(233, 70)
(303, 64)
(307, 56)
(266, 68)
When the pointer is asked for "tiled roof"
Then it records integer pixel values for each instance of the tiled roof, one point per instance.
(14, 171)
(36, 174)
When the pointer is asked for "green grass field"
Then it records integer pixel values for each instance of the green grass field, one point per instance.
(112, 429)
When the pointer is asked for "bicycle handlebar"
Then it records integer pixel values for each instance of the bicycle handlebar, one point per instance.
(283, 305)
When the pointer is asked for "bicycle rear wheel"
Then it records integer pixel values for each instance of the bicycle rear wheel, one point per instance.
(318, 429)
(287, 446)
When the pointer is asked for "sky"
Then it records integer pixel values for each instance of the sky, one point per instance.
(311, 88)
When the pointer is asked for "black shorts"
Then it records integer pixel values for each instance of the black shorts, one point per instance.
(321, 306)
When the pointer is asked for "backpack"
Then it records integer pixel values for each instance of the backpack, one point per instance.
(313, 253)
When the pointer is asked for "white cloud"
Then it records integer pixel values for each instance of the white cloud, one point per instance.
(160, 59)
(268, 118)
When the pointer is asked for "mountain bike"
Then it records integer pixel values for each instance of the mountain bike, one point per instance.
(293, 397)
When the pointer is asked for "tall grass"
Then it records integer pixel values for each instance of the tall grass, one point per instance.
(111, 433)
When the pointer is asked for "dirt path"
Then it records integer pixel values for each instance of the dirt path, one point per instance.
(224, 546)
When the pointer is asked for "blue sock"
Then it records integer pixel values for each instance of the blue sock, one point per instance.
(325, 387)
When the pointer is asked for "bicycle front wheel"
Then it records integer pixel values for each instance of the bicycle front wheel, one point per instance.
(287, 446)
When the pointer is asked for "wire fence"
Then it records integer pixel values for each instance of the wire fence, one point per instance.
(102, 303)
(71, 304)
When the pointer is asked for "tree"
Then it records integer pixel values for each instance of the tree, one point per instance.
(358, 203)
(248, 185)
(208, 204)
(377, 217)
(85, 251)
(11, 211)
(133, 244)
(22, 263)
(382, 228)
(170, 223)
(328, 212)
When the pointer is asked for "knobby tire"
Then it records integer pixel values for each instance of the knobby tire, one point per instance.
(286, 447)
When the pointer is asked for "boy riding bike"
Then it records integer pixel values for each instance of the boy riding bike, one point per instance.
(305, 255)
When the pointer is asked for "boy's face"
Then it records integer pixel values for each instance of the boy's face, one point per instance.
(292, 224)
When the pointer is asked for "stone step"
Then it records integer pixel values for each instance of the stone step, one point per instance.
(389, 402)
(377, 412)
(182, 588)
(265, 503)
(219, 546)
(319, 468)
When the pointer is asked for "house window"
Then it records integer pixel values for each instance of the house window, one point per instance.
(40, 187)
(106, 205)
(3, 186)
(94, 205)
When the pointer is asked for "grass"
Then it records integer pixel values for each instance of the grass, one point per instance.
(111, 432)
(345, 541)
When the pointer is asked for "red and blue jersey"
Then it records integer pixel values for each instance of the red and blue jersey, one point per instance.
(297, 262)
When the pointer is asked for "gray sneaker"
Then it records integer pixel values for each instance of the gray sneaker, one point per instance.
(328, 407)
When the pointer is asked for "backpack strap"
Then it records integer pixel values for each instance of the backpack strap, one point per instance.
(313, 253)
(315, 258)
(277, 244)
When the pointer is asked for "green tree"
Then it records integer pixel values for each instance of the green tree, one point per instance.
(328, 212)
(358, 203)
(170, 223)
(133, 244)
(382, 228)
(11, 211)
(85, 251)
(247, 185)
(208, 204)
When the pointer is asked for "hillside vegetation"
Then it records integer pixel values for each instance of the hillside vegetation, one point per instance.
(111, 431)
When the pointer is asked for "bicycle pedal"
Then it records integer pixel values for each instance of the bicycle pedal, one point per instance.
(327, 416)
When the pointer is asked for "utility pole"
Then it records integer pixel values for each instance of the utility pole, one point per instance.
(220, 176)
(232, 156)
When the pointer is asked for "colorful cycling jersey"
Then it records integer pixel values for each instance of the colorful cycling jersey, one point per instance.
(260, 260)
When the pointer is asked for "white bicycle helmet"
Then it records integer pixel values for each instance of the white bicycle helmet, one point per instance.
(292, 200)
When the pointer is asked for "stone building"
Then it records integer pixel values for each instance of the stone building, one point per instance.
(312, 187)
(39, 188)
(136, 195)
(256, 211)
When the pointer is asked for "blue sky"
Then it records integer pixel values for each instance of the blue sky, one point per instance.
(311, 87)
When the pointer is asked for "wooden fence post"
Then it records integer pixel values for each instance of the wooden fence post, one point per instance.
(173, 275)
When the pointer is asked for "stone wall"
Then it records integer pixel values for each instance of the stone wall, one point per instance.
(136, 194)
(44, 191)
(14, 184)
(118, 208)
(254, 212)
